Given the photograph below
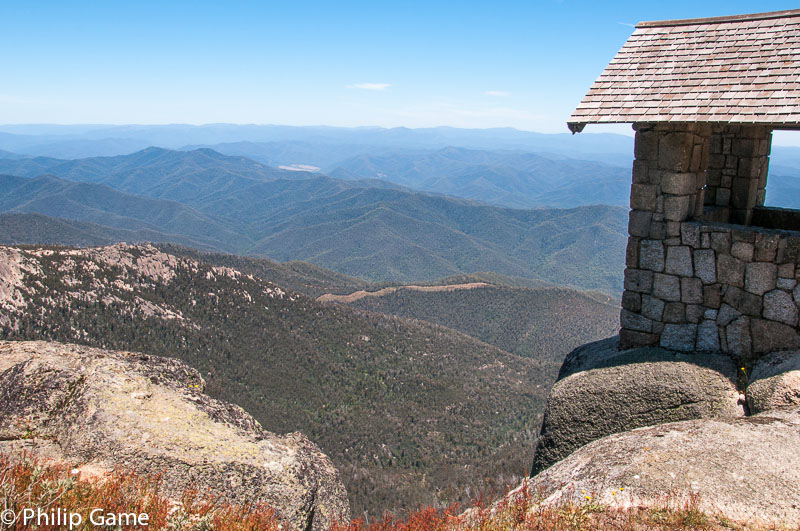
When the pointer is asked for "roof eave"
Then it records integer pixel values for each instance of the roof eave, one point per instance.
(576, 127)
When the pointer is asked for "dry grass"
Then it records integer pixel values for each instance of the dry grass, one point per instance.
(26, 483)
(521, 512)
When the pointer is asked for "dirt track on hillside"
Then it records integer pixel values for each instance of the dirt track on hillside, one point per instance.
(330, 297)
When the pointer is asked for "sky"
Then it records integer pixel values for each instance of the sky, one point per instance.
(522, 64)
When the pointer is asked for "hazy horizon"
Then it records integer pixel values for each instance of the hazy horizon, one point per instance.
(420, 64)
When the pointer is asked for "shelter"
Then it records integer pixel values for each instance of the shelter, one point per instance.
(708, 266)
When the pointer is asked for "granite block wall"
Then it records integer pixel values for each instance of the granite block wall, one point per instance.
(736, 175)
(697, 277)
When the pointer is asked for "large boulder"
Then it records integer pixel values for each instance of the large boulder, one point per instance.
(775, 382)
(747, 469)
(102, 409)
(602, 390)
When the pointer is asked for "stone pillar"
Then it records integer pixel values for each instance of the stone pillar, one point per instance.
(668, 188)
(737, 171)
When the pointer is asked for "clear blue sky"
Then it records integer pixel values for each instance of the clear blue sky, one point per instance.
(523, 64)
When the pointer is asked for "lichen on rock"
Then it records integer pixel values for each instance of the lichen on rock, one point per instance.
(775, 382)
(747, 469)
(602, 390)
(107, 409)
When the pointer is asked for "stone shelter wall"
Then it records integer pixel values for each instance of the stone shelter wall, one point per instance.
(697, 276)
(736, 175)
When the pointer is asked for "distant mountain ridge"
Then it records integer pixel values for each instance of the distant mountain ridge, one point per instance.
(507, 178)
(326, 147)
(19, 229)
(325, 155)
(9, 155)
(80, 141)
(368, 229)
(155, 172)
(106, 206)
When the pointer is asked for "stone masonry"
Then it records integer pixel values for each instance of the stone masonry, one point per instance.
(698, 278)
(736, 176)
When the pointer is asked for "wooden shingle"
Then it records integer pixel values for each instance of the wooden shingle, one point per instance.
(736, 69)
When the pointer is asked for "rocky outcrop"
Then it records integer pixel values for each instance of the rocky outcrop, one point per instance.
(775, 382)
(103, 409)
(602, 391)
(653, 427)
(747, 468)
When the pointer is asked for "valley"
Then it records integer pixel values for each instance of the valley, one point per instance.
(273, 334)
(347, 378)
(406, 305)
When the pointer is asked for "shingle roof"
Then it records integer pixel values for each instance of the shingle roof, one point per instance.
(742, 69)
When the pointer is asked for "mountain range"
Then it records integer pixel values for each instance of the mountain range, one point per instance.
(81, 141)
(366, 228)
(514, 179)
(106, 206)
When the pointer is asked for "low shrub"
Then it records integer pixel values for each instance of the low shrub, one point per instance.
(57, 491)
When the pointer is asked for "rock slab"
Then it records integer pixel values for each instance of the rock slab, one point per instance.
(104, 409)
(601, 391)
(747, 469)
(775, 382)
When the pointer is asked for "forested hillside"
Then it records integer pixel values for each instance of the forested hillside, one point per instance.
(410, 412)
(543, 323)
(302, 277)
(537, 321)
